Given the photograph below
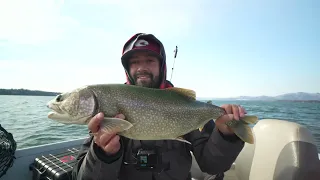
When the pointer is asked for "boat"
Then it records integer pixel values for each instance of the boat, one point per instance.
(282, 150)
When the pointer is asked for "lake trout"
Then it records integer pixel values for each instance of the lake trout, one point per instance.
(150, 114)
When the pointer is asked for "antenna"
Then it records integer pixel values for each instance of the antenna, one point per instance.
(174, 60)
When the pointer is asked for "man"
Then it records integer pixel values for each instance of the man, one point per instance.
(108, 156)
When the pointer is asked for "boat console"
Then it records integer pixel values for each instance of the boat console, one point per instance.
(283, 151)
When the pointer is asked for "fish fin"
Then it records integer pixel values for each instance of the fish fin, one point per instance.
(250, 119)
(111, 125)
(186, 92)
(244, 132)
(181, 139)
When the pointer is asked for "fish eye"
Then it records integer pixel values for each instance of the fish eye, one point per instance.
(59, 98)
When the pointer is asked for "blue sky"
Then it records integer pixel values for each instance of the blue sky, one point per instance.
(226, 48)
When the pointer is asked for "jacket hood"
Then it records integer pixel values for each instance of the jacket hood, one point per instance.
(129, 48)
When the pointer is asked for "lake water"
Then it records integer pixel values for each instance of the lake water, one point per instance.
(26, 118)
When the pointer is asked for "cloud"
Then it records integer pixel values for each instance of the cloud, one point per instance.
(32, 21)
(36, 21)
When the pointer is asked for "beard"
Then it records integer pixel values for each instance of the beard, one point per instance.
(151, 82)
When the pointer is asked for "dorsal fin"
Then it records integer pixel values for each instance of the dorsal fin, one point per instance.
(186, 92)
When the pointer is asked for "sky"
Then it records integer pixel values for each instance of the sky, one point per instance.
(226, 48)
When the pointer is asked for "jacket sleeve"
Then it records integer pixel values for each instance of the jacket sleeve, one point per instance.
(93, 163)
(214, 151)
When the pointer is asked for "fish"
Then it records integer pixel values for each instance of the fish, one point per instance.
(150, 114)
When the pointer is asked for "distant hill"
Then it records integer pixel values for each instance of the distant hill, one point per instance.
(26, 92)
(298, 96)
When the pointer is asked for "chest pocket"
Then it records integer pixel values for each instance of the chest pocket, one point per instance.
(175, 156)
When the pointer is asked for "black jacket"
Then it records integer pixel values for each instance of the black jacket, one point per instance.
(214, 153)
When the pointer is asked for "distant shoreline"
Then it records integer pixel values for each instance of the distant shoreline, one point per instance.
(26, 92)
(299, 100)
(263, 100)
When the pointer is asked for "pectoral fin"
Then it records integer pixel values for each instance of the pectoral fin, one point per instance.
(111, 125)
(250, 119)
(244, 132)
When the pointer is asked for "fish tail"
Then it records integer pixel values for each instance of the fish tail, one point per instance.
(244, 132)
(250, 119)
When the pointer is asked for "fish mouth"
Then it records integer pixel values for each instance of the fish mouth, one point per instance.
(54, 108)
(56, 113)
(59, 115)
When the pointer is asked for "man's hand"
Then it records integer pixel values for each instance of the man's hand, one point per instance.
(108, 142)
(234, 112)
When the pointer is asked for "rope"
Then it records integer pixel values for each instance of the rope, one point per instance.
(7, 150)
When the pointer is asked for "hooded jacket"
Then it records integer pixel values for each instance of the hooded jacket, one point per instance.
(213, 151)
(128, 49)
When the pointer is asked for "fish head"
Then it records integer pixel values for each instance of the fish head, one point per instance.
(75, 107)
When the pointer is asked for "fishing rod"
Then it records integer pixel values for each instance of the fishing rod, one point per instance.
(174, 60)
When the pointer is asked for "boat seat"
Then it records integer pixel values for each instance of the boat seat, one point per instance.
(283, 150)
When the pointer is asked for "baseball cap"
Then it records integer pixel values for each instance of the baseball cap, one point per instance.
(144, 42)
(141, 44)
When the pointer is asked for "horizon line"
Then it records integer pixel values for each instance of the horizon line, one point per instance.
(230, 97)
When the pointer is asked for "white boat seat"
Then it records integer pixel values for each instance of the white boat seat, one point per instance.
(283, 150)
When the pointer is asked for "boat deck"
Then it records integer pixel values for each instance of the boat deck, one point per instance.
(230, 175)
(198, 175)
